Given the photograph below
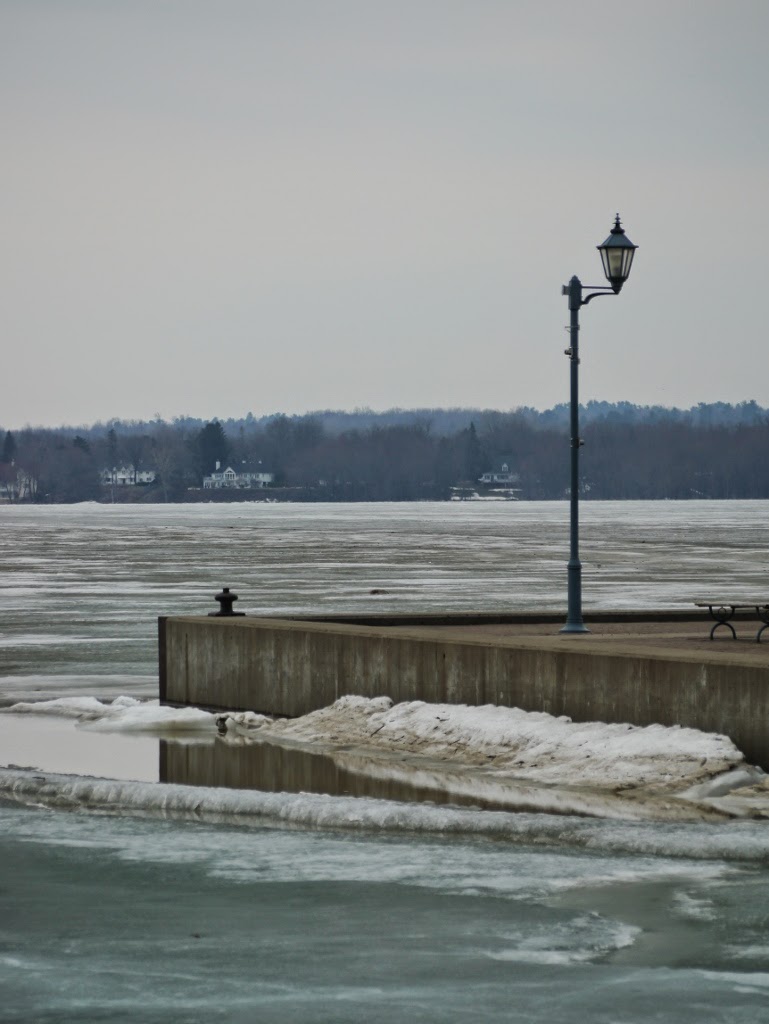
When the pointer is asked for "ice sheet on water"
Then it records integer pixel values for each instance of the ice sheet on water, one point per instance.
(63, 707)
(124, 714)
(733, 841)
(293, 558)
(15, 689)
(172, 920)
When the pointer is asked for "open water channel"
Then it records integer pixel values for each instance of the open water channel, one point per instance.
(347, 907)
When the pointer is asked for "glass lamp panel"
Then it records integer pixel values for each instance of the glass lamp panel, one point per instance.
(616, 262)
(605, 260)
(627, 262)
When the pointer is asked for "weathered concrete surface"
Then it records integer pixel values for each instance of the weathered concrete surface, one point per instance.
(641, 669)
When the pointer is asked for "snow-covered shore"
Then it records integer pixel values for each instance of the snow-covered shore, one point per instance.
(497, 755)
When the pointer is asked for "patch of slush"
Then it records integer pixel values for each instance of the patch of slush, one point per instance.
(583, 939)
(754, 952)
(748, 983)
(694, 908)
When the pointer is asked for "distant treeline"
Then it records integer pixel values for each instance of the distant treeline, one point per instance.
(631, 452)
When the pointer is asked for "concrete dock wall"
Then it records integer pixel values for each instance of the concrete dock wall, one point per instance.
(291, 667)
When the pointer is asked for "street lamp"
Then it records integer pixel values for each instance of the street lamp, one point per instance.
(617, 257)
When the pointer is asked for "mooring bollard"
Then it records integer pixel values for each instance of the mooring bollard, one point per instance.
(226, 601)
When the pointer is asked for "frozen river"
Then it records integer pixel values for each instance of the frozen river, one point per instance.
(335, 908)
(81, 586)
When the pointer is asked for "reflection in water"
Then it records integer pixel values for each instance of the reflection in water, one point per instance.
(270, 767)
(265, 765)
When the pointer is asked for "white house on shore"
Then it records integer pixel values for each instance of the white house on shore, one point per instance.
(243, 477)
(501, 474)
(127, 476)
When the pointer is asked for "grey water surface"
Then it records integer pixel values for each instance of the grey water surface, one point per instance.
(171, 918)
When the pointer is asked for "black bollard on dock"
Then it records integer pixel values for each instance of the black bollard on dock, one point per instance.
(226, 601)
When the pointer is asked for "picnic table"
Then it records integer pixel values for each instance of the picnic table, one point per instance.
(724, 611)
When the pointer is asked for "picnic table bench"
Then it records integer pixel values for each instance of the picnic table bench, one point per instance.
(724, 611)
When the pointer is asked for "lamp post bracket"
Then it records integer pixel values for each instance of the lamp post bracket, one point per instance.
(597, 294)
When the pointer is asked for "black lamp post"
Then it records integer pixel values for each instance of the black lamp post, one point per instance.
(617, 256)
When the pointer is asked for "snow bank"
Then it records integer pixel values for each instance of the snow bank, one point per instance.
(496, 743)
(526, 745)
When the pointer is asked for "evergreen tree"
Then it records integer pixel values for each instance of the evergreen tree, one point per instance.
(211, 446)
(112, 448)
(474, 455)
(9, 448)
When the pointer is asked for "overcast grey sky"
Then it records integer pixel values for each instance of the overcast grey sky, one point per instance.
(210, 207)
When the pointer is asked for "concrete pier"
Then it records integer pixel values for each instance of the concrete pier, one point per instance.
(642, 668)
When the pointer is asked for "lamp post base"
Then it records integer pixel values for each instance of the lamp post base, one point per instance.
(574, 627)
(574, 623)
